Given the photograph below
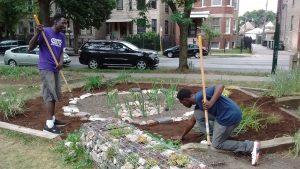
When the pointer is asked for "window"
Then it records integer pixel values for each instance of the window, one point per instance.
(215, 23)
(235, 4)
(141, 25)
(130, 5)
(292, 20)
(140, 4)
(228, 25)
(293, 2)
(203, 3)
(153, 4)
(154, 25)
(192, 30)
(31, 28)
(166, 27)
(119, 4)
(228, 2)
(216, 2)
(166, 8)
(215, 45)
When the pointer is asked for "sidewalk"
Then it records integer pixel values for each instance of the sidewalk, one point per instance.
(194, 76)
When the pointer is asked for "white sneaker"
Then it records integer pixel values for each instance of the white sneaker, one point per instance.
(255, 153)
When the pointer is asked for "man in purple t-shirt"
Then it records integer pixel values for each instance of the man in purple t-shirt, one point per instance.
(48, 69)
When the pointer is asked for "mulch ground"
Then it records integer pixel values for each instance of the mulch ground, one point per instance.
(34, 116)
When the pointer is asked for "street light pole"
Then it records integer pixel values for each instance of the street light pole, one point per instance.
(276, 37)
(69, 32)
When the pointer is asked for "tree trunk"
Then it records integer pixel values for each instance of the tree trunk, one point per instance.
(183, 65)
(76, 34)
(44, 6)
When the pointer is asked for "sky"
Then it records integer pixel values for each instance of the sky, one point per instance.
(251, 5)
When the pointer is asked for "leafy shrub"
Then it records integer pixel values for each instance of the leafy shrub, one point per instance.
(285, 83)
(151, 163)
(148, 40)
(18, 72)
(295, 150)
(178, 160)
(133, 158)
(123, 77)
(72, 152)
(93, 82)
(11, 104)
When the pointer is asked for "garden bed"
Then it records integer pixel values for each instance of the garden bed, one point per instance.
(34, 115)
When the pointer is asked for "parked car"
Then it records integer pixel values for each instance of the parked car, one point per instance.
(22, 56)
(193, 51)
(8, 44)
(101, 53)
(70, 51)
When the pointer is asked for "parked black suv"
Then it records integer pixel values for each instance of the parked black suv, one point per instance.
(7, 44)
(100, 53)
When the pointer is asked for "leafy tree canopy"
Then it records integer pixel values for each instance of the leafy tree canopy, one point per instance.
(87, 13)
(258, 17)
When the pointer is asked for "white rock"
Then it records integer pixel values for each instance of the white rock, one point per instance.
(173, 167)
(70, 109)
(140, 167)
(202, 166)
(67, 114)
(115, 160)
(143, 123)
(73, 102)
(203, 142)
(142, 161)
(167, 153)
(103, 148)
(68, 143)
(155, 167)
(188, 114)
(99, 94)
(127, 165)
(85, 95)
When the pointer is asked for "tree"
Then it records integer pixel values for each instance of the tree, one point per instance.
(258, 17)
(86, 14)
(44, 6)
(181, 10)
(208, 32)
(10, 14)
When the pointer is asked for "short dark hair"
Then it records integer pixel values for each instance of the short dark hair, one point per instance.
(57, 17)
(184, 93)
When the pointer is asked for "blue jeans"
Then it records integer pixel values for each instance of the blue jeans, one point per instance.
(221, 134)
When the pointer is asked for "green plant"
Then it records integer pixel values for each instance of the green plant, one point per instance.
(74, 153)
(8, 72)
(150, 163)
(139, 101)
(111, 152)
(251, 119)
(123, 77)
(171, 144)
(170, 96)
(226, 92)
(11, 104)
(133, 158)
(295, 150)
(159, 147)
(178, 160)
(93, 82)
(112, 100)
(120, 132)
(273, 119)
(129, 107)
(154, 96)
(142, 139)
(280, 87)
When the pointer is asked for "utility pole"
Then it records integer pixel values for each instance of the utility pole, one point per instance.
(276, 37)
(265, 20)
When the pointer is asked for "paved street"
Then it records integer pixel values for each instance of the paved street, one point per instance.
(260, 61)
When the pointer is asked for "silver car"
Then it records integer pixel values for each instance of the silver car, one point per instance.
(22, 56)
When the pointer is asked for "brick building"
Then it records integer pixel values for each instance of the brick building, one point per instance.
(224, 17)
(290, 24)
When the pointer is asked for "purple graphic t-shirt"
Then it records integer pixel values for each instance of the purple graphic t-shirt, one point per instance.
(56, 42)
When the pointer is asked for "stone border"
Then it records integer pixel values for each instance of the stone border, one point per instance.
(112, 152)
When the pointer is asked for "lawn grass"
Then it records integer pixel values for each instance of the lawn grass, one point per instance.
(24, 151)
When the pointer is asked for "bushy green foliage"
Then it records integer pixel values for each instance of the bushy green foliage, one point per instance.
(120, 132)
(150, 163)
(170, 95)
(179, 160)
(111, 152)
(74, 153)
(133, 158)
(11, 104)
(295, 150)
(284, 83)
(123, 77)
(147, 40)
(171, 144)
(8, 72)
(93, 82)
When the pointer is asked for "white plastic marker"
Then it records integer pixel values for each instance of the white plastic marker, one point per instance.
(52, 54)
(203, 88)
